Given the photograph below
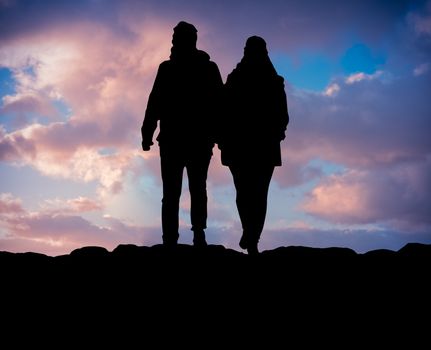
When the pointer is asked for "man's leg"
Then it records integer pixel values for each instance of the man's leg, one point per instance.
(197, 172)
(172, 176)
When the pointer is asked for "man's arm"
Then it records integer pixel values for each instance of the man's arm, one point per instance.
(152, 113)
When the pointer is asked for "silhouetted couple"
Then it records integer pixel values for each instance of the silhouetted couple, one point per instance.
(247, 118)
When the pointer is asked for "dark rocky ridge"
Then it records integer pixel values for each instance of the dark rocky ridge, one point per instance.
(217, 265)
(219, 293)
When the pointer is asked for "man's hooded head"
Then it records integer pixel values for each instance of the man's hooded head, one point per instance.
(185, 36)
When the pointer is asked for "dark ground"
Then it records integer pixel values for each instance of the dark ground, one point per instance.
(218, 292)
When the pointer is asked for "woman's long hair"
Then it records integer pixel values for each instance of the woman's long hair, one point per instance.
(256, 58)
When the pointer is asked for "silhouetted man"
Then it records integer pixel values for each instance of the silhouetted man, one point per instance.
(184, 99)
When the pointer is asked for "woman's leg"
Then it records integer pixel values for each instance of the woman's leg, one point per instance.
(252, 184)
(259, 189)
(242, 195)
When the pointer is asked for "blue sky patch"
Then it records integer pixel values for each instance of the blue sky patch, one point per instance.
(360, 58)
(30, 70)
(314, 71)
(7, 82)
(327, 168)
(107, 151)
(310, 71)
(63, 108)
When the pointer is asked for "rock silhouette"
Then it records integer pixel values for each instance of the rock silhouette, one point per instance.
(186, 262)
(219, 293)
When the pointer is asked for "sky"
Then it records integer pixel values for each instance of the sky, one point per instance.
(74, 83)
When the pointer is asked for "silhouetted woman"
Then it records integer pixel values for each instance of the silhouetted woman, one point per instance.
(254, 123)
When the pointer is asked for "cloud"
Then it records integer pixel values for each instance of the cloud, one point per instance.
(57, 228)
(67, 232)
(332, 90)
(75, 205)
(21, 105)
(7, 150)
(375, 133)
(357, 77)
(104, 79)
(368, 124)
(399, 196)
(53, 156)
(9, 204)
(341, 199)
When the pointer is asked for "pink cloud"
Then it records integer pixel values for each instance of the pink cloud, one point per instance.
(364, 129)
(75, 205)
(9, 204)
(66, 229)
(399, 196)
(12, 145)
(104, 79)
(23, 105)
(342, 199)
(383, 143)
(56, 231)
(63, 233)
(85, 163)
(82, 204)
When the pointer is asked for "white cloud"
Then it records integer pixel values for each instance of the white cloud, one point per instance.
(357, 77)
(332, 90)
(341, 199)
